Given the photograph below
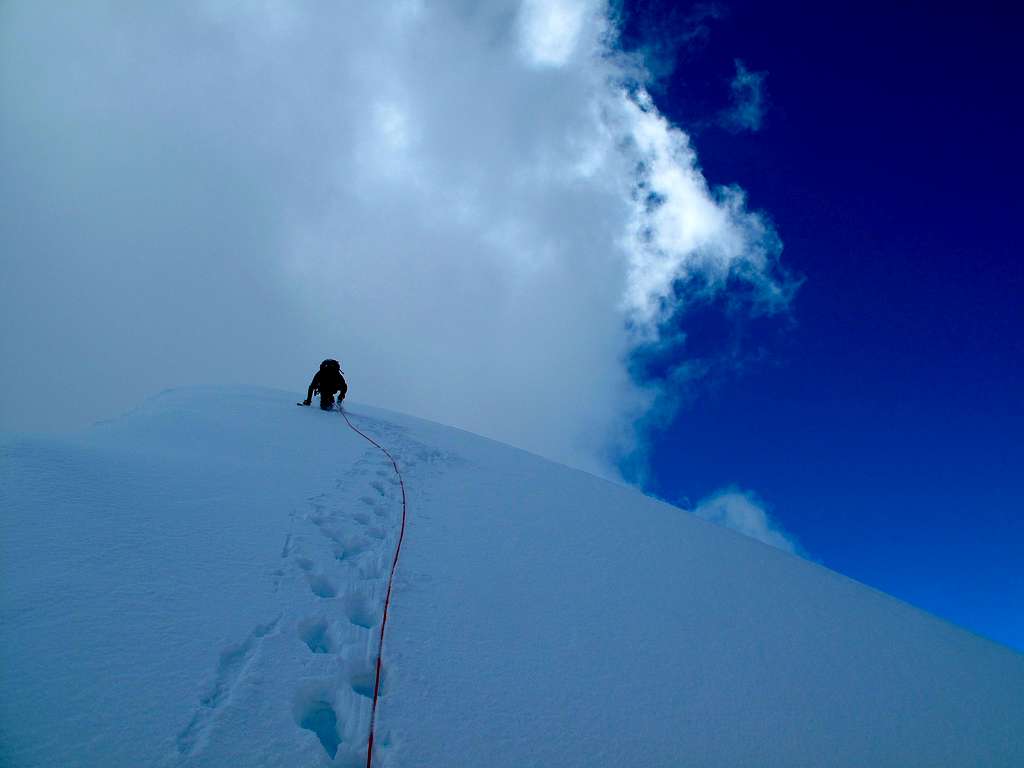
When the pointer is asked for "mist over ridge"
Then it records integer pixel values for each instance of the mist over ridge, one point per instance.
(478, 209)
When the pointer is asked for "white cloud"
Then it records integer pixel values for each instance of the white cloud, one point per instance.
(550, 29)
(688, 231)
(227, 192)
(744, 512)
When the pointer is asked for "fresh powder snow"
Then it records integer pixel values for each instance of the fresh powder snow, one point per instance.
(201, 582)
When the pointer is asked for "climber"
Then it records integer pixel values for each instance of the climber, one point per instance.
(327, 381)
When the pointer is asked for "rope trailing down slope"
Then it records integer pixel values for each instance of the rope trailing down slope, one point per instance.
(391, 578)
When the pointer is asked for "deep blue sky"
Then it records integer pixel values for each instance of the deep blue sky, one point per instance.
(883, 422)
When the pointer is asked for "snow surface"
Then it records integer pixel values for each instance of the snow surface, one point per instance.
(199, 583)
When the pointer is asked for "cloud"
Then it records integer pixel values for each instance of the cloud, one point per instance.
(550, 29)
(749, 101)
(476, 207)
(667, 32)
(686, 231)
(744, 512)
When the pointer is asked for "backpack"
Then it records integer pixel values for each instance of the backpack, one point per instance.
(331, 374)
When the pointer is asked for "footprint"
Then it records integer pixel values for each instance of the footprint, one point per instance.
(327, 529)
(316, 635)
(315, 712)
(360, 610)
(321, 586)
(365, 568)
(231, 661)
(363, 684)
(378, 510)
(230, 668)
(347, 547)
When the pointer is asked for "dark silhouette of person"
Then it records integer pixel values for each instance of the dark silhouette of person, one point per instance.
(327, 381)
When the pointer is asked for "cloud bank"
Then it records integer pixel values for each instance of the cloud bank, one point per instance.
(476, 207)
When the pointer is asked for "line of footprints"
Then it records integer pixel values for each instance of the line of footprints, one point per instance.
(332, 578)
(341, 633)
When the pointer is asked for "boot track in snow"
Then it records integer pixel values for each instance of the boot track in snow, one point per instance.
(391, 577)
(335, 554)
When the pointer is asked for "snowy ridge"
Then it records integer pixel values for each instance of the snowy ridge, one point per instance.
(200, 583)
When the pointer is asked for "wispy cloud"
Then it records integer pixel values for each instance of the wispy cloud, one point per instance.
(749, 100)
(669, 32)
(744, 512)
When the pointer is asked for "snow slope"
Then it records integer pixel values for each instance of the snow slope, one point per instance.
(199, 583)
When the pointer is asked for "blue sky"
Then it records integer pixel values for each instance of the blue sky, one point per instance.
(881, 422)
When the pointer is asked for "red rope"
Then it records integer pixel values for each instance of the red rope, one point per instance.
(391, 578)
